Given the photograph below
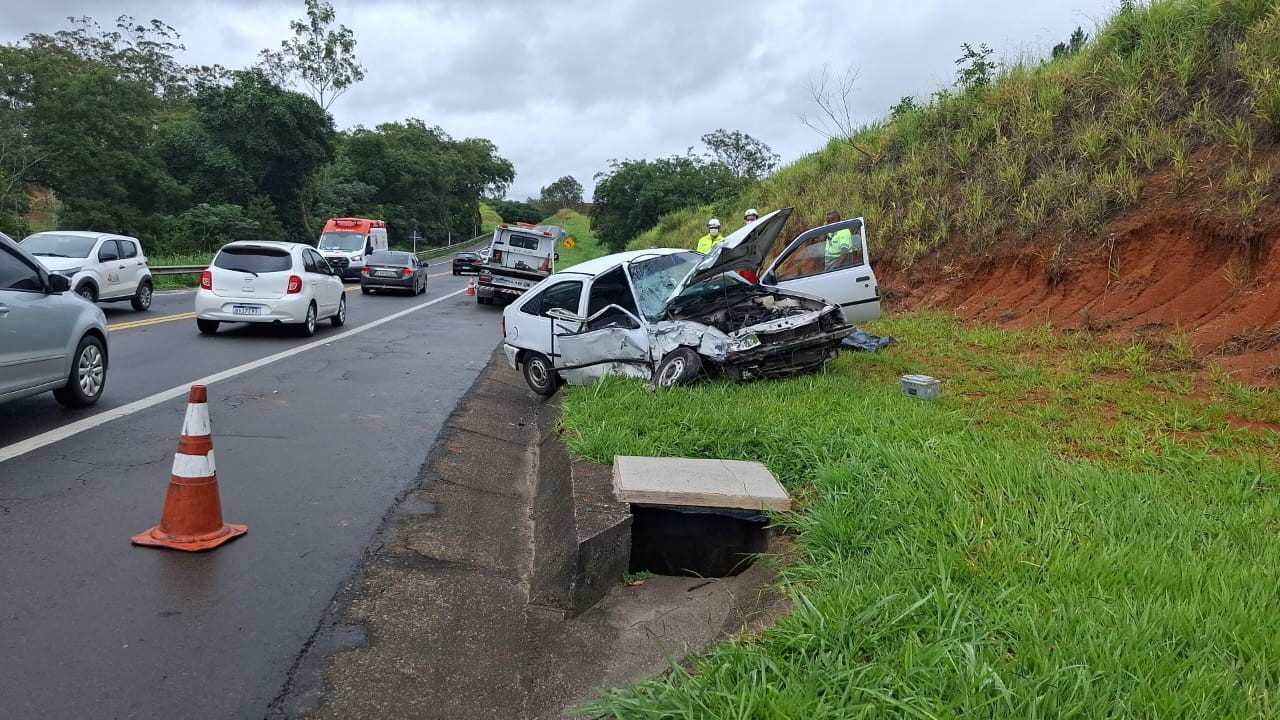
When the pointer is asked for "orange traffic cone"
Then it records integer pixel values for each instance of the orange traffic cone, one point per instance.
(192, 517)
(471, 287)
(546, 264)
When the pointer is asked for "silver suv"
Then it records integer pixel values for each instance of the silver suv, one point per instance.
(51, 338)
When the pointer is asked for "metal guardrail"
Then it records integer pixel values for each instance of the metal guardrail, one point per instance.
(191, 269)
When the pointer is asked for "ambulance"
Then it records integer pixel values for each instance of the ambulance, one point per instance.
(347, 242)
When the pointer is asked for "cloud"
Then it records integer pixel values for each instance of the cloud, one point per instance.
(563, 86)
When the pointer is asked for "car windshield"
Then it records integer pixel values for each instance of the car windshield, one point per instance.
(389, 258)
(467, 256)
(58, 245)
(341, 241)
(254, 259)
(654, 278)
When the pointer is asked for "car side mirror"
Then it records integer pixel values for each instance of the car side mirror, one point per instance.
(423, 264)
(555, 257)
(59, 283)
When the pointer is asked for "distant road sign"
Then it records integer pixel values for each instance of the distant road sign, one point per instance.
(569, 243)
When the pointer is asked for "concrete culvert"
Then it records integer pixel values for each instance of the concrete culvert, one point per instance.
(696, 541)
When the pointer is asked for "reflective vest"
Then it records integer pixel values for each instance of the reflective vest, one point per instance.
(838, 242)
(706, 242)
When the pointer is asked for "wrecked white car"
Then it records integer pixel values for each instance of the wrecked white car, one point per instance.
(671, 316)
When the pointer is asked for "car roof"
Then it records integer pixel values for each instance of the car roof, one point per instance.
(280, 245)
(83, 233)
(608, 262)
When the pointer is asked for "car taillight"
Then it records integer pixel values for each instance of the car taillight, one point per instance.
(364, 270)
(295, 285)
(485, 278)
(206, 280)
(405, 272)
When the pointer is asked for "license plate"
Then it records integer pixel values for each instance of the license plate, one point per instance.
(385, 273)
(245, 309)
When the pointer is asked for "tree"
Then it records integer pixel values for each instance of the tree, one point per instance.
(976, 70)
(1072, 45)
(324, 59)
(631, 196)
(276, 139)
(745, 156)
(832, 96)
(563, 193)
(513, 211)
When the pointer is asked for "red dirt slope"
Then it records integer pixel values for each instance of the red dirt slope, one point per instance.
(1165, 268)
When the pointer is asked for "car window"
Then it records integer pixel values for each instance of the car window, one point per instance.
(129, 249)
(108, 251)
(383, 257)
(309, 262)
(52, 244)
(819, 254)
(523, 241)
(16, 274)
(564, 295)
(251, 258)
(611, 288)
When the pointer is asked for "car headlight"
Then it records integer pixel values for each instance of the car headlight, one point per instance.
(357, 258)
(746, 342)
(69, 271)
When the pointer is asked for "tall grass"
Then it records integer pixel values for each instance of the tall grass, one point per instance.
(1074, 529)
(1060, 145)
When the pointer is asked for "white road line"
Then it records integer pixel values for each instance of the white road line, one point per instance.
(35, 443)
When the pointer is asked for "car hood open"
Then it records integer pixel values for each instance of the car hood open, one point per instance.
(743, 249)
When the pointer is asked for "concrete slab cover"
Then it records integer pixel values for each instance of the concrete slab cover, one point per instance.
(700, 483)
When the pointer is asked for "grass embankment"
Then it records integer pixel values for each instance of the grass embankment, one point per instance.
(585, 245)
(1073, 529)
(1050, 151)
(489, 219)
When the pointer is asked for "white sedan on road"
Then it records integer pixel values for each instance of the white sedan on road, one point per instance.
(269, 282)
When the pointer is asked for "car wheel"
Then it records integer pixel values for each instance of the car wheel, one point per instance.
(308, 326)
(207, 327)
(88, 375)
(340, 318)
(88, 292)
(540, 374)
(142, 299)
(681, 366)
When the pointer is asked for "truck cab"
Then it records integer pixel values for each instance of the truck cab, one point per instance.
(519, 257)
(347, 242)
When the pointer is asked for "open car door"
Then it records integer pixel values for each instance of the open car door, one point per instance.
(826, 263)
(611, 341)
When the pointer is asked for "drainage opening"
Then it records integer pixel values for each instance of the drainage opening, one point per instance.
(695, 541)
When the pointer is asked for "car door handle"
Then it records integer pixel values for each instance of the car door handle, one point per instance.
(864, 278)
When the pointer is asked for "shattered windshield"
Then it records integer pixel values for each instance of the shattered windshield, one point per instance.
(654, 279)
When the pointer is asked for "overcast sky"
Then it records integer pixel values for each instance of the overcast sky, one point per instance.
(563, 86)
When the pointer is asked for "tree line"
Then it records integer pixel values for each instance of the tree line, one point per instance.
(105, 129)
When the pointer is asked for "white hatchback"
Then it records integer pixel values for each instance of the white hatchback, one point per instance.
(269, 282)
(102, 267)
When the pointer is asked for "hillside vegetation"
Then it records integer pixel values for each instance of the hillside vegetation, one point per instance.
(1166, 123)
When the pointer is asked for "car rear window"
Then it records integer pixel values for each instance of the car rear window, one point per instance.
(254, 259)
(389, 258)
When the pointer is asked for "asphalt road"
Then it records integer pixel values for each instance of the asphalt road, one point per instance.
(312, 451)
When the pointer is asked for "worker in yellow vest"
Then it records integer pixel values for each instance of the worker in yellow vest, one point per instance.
(712, 238)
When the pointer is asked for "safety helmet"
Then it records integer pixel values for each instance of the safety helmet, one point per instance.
(713, 223)
(751, 212)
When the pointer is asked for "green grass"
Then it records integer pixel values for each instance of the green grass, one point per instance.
(585, 245)
(1073, 529)
(489, 218)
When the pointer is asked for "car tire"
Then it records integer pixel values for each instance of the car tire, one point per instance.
(340, 318)
(540, 374)
(142, 298)
(681, 366)
(88, 375)
(308, 326)
(88, 292)
(207, 327)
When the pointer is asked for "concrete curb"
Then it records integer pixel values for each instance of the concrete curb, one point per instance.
(497, 589)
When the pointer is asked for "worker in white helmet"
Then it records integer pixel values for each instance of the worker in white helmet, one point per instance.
(708, 241)
(750, 216)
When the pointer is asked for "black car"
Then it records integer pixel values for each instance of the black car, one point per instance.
(467, 262)
(390, 270)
